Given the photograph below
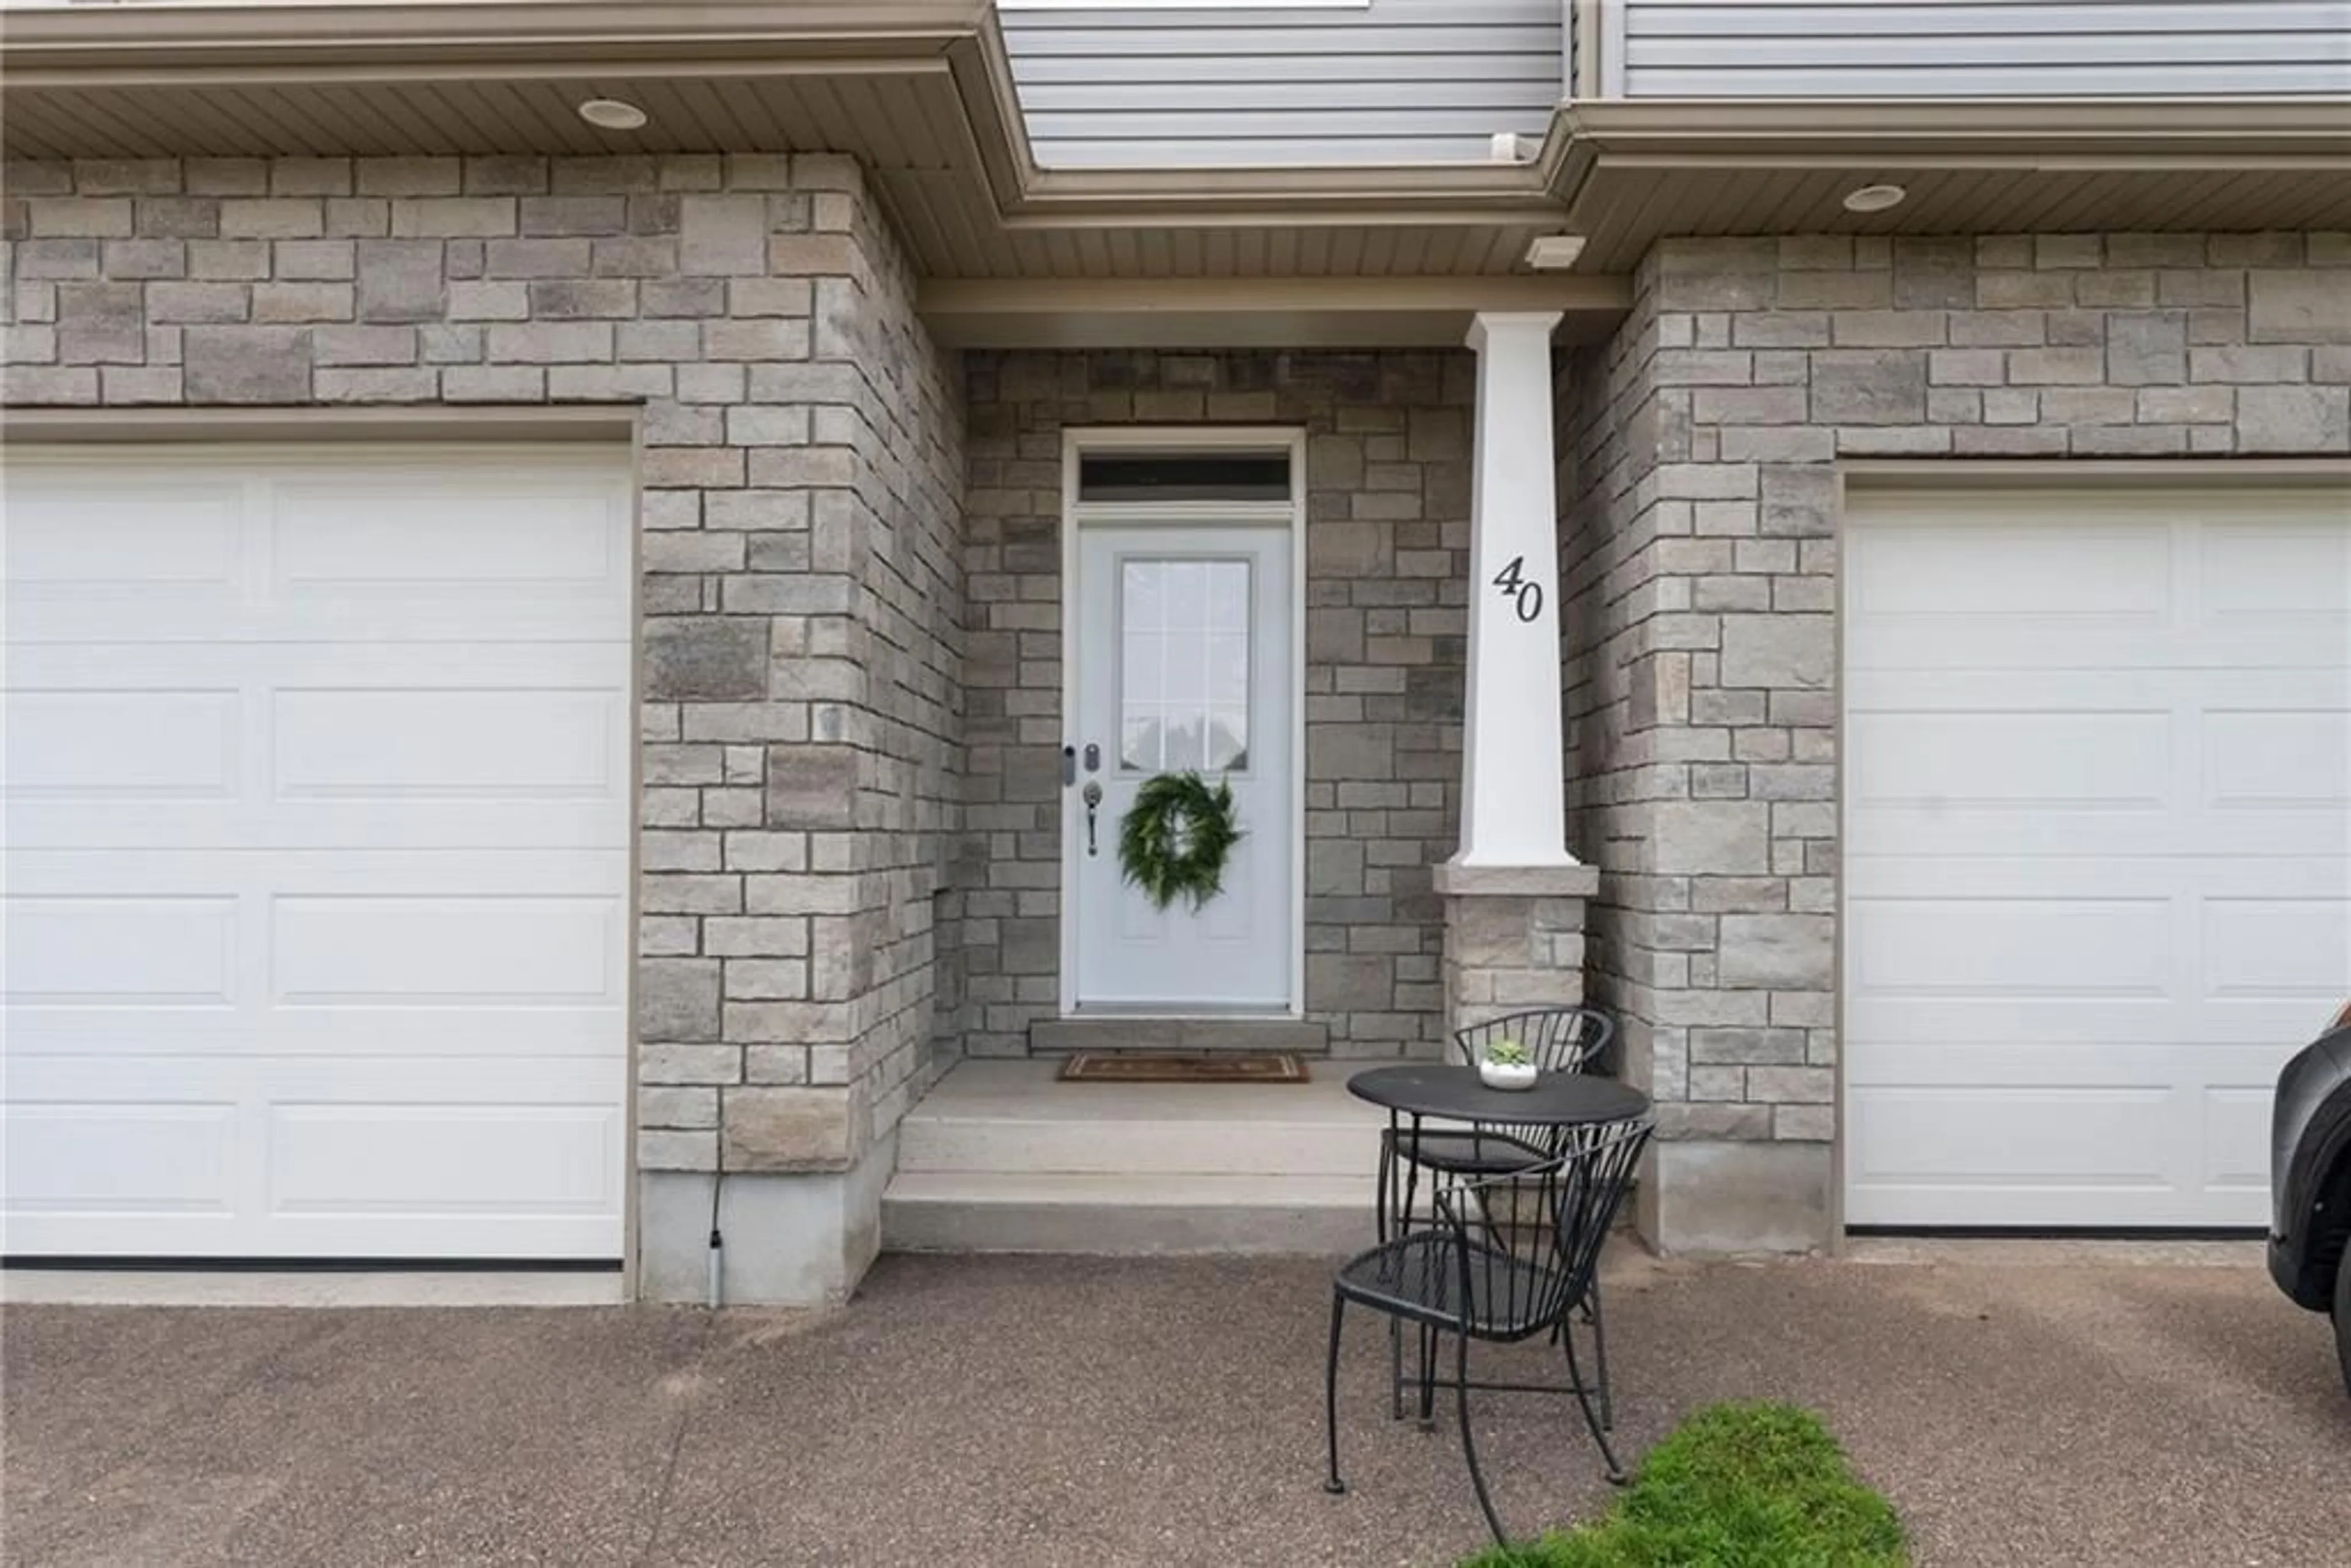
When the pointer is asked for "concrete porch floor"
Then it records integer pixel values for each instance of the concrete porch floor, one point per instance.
(1039, 1411)
(1002, 1157)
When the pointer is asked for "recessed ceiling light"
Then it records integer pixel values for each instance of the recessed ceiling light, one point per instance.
(613, 114)
(1874, 198)
(1554, 253)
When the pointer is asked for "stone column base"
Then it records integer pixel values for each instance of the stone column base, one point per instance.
(1724, 1197)
(796, 1240)
(1513, 937)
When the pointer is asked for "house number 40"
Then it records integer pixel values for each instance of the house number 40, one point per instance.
(1527, 597)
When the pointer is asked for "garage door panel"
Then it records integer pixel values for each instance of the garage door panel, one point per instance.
(130, 748)
(2214, 875)
(483, 745)
(1928, 573)
(461, 1155)
(73, 535)
(2235, 1142)
(372, 531)
(133, 948)
(2276, 948)
(2097, 834)
(318, 868)
(2107, 1135)
(2102, 947)
(2085, 761)
(420, 1161)
(102, 1157)
(2266, 569)
(479, 951)
(526, 744)
(1939, 832)
(2297, 759)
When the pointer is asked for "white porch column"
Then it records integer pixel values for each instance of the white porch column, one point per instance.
(1513, 799)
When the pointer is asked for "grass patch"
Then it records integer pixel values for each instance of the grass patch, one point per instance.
(1735, 1486)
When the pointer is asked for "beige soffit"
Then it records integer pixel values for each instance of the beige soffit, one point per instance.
(921, 92)
(1631, 171)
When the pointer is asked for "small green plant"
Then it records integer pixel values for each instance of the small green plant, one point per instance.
(1508, 1053)
(1735, 1486)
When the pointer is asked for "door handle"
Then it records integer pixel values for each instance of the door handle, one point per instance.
(1092, 798)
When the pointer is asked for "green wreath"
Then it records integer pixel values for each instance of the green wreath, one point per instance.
(1175, 839)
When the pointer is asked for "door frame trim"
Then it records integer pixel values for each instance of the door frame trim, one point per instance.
(1289, 515)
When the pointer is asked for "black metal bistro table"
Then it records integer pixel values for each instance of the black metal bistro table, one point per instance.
(1452, 1091)
(1525, 1125)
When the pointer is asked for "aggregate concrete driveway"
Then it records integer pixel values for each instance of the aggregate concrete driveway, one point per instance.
(1039, 1411)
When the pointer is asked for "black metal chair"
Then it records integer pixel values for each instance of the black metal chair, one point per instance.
(1557, 1039)
(1507, 1259)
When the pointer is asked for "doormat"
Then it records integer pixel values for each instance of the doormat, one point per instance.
(1177, 1067)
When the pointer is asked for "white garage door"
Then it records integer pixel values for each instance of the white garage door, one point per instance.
(316, 801)
(2098, 847)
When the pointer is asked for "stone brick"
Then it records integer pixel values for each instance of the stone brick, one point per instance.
(375, 385)
(811, 786)
(1746, 1047)
(2301, 307)
(1794, 952)
(2243, 364)
(301, 302)
(48, 217)
(1779, 650)
(101, 323)
(453, 217)
(1873, 387)
(399, 280)
(723, 236)
(2294, 419)
(2056, 367)
(677, 1000)
(786, 1129)
(2147, 349)
(1724, 839)
(247, 364)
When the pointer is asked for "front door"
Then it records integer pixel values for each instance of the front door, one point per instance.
(1185, 664)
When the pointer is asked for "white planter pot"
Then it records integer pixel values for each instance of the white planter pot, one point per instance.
(1498, 1075)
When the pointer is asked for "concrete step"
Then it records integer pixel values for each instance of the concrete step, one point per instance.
(1045, 1146)
(1012, 1117)
(1129, 1214)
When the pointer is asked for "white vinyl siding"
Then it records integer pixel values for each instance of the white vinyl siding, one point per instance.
(1976, 48)
(1393, 81)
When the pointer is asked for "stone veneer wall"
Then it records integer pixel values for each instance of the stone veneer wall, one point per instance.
(1387, 558)
(1699, 571)
(800, 465)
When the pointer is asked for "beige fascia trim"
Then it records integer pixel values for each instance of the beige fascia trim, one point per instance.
(1255, 312)
(1241, 295)
(117, 38)
(440, 423)
(2079, 472)
(2125, 130)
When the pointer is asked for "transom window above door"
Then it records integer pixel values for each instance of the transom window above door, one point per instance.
(1184, 664)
